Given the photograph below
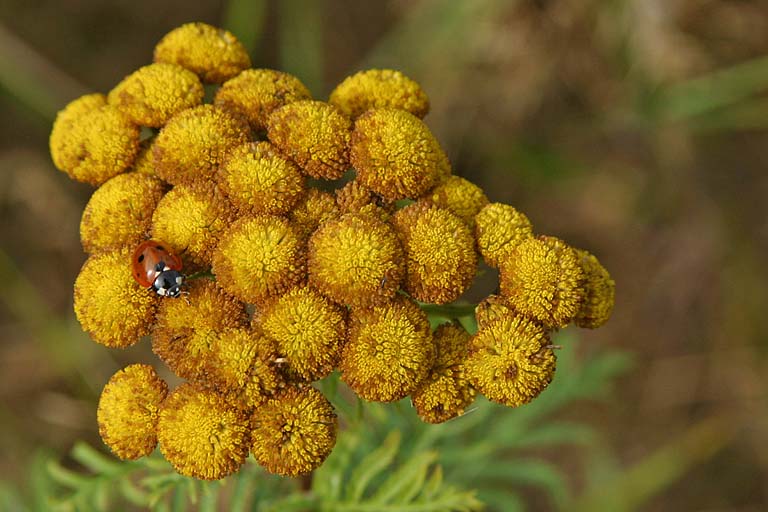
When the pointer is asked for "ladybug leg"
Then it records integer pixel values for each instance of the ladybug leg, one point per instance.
(185, 295)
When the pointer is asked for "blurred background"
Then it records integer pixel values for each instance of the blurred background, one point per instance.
(636, 129)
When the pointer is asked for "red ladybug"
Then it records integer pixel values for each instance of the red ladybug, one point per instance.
(156, 268)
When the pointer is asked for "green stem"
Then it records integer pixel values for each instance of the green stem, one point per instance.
(449, 310)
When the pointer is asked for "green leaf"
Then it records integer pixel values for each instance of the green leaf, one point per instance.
(373, 464)
(415, 468)
(95, 460)
(559, 433)
(529, 472)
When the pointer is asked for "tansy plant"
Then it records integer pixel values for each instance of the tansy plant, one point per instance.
(287, 282)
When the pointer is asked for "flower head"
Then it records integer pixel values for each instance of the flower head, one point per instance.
(260, 257)
(255, 93)
(201, 434)
(312, 210)
(257, 179)
(460, 196)
(379, 88)
(188, 330)
(264, 378)
(128, 411)
(389, 352)
(446, 392)
(395, 154)
(194, 142)
(119, 212)
(213, 53)
(92, 141)
(492, 308)
(499, 228)
(355, 198)
(109, 304)
(356, 260)
(510, 360)
(294, 432)
(440, 252)
(313, 134)
(153, 94)
(309, 329)
(599, 290)
(542, 278)
(191, 220)
(145, 160)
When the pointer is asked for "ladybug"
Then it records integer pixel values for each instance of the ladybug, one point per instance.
(156, 268)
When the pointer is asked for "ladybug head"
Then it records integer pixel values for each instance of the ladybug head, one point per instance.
(168, 283)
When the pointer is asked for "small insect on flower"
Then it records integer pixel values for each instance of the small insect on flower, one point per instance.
(156, 268)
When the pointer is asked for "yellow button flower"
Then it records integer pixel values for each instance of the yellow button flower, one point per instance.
(446, 392)
(313, 134)
(92, 141)
(542, 278)
(492, 308)
(213, 53)
(191, 220)
(109, 304)
(354, 197)
(389, 352)
(193, 144)
(119, 212)
(255, 93)
(356, 260)
(187, 330)
(599, 291)
(460, 196)
(202, 435)
(510, 360)
(395, 154)
(257, 179)
(440, 252)
(312, 210)
(294, 432)
(309, 330)
(499, 228)
(379, 88)
(264, 378)
(128, 411)
(153, 94)
(145, 160)
(260, 257)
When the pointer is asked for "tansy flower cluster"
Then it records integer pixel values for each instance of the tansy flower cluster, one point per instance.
(313, 235)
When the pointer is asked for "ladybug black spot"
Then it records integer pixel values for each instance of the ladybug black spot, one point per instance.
(160, 248)
(141, 258)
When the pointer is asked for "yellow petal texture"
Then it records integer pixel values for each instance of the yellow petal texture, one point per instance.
(354, 197)
(191, 220)
(92, 141)
(440, 253)
(460, 196)
(379, 88)
(294, 432)
(542, 278)
(492, 308)
(510, 360)
(446, 392)
(202, 435)
(255, 93)
(145, 160)
(313, 134)
(109, 304)
(192, 145)
(257, 179)
(599, 291)
(356, 260)
(119, 212)
(153, 94)
(128, 411)
(260, 257)
(313, 209)
(389, 352)
(213, 53)
(188, 331)
(395, 154)
(499, 228)
(309, 329)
